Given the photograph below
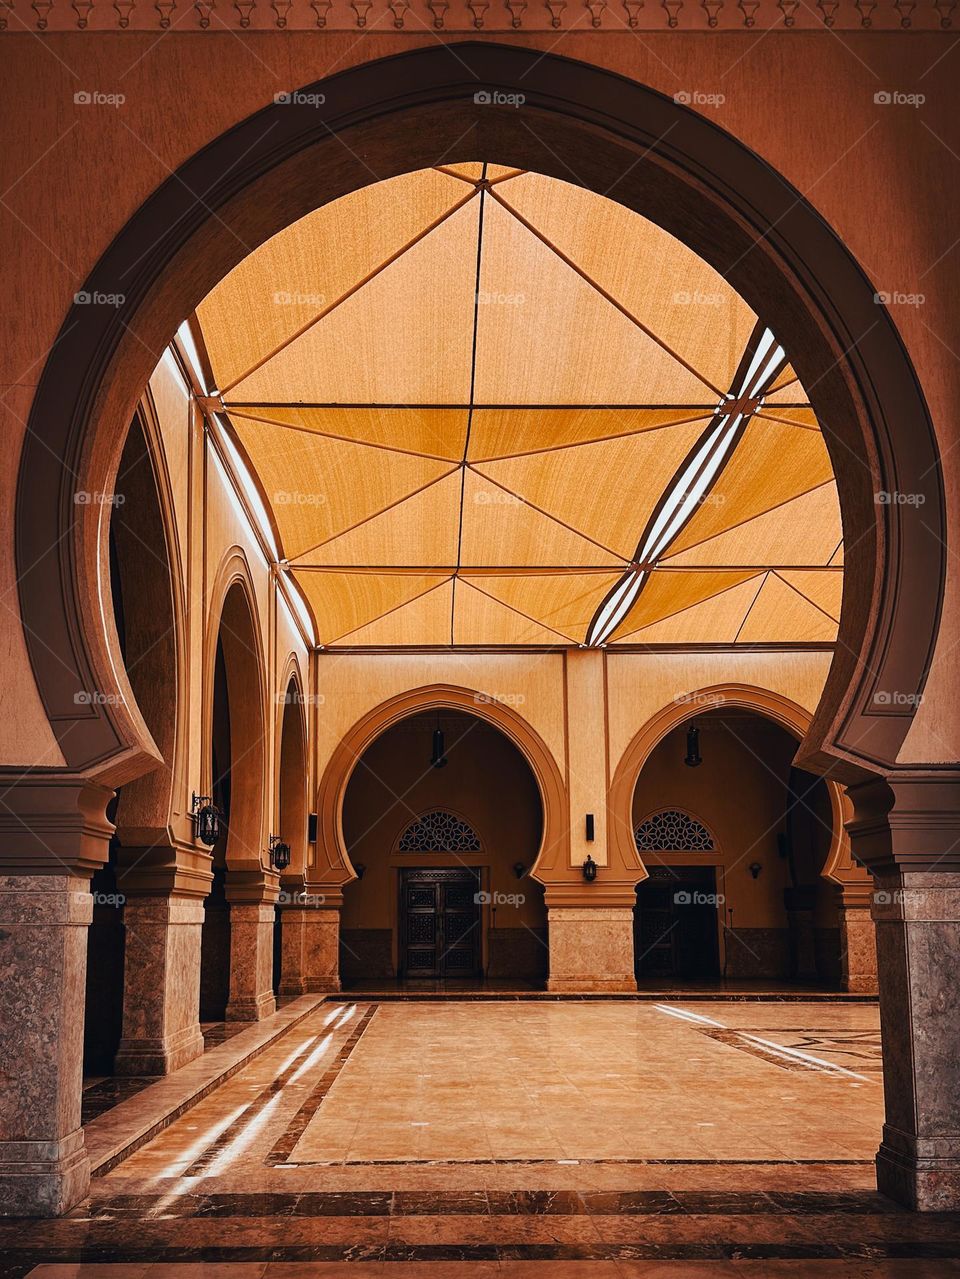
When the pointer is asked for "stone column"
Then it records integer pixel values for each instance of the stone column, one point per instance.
(293, 902)
(590, 937)
(44, 919)
(907, 830)
(322, 942)
(251, 960)
(858, 941)
(161, 985)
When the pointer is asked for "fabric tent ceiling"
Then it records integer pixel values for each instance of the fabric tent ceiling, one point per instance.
(466, 392)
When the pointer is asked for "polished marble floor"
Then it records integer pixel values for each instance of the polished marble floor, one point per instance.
(509, 1139)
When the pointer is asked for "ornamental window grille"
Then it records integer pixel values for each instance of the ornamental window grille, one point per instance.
(439, 832)
(673, 831)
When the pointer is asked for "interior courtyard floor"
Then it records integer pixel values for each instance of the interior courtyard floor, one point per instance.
(514, 1138)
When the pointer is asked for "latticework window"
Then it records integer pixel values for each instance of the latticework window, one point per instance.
(439, 832)
(673, 831)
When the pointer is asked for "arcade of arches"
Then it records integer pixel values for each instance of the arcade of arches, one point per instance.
(476, 671)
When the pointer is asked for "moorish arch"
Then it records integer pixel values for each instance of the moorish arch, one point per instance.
(772, 705)
(678, 169)
(291, 767)
(334, 866)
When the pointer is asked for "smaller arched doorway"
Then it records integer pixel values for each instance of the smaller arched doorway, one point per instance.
(735, 840)
(442, 819)
(236, 969)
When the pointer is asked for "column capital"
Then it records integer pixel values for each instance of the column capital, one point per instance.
(601, 893)
(164, 869)
(907, 820)
(53, 824)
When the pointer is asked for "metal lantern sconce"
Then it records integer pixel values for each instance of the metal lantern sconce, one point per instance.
(279, 853)
(693, 758)
(360, 868)
(589, 869)
(519, 869)
(755, 868)
(207, 818)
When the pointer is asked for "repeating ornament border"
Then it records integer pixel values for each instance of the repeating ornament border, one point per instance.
(423, 16)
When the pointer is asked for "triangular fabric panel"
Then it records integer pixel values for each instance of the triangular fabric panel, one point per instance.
(566, 602)
(475, 171)
(498, 433)
(665, 593)
(805, 419)
(501, 528)
(478, 619)
(529, 352)
(405, 338)
(781, 615)
(825, 589)
(665, 285)
(771, 465)
(606, 491)
(714, 621)
(320, 487)
(420, 531)
(425, 620)
(439, 433)
(343, 602)
(804, 531)
(288, 280)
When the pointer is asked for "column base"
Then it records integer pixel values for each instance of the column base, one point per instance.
(158, 1056)
(923, 1184)
(322, 985)
(292, 986)
(592, 985)
(264, 1005)
(42, 1178)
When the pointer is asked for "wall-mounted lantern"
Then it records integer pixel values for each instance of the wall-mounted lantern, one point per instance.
(519, 869)
(207, 819)
(589, 869)
(693, 758)
(360, 868)
(279, 853)
(755, 868)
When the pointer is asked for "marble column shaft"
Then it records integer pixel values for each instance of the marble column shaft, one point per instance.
(322, 949)
(161, 984)
(44, 919)
(251, 961)
(591, 948)
(917, 916)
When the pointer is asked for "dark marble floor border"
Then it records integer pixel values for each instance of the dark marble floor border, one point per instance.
(285, 1145)
(567, 1163)
(651, 997)
(488, 1202)
(20, 1262)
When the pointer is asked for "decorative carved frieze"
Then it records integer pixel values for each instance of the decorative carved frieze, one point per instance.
(415, 17)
